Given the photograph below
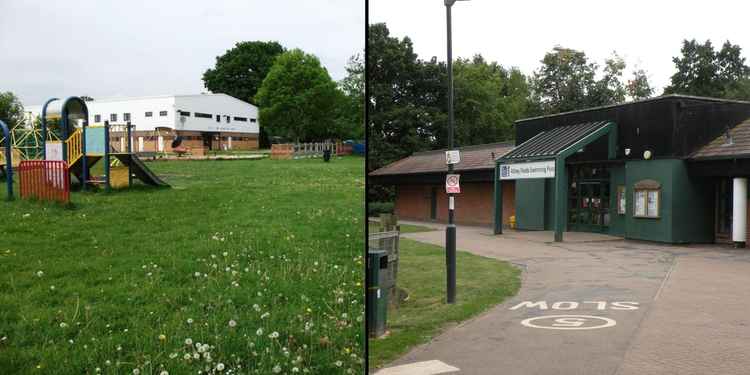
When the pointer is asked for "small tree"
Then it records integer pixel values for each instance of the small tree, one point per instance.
(298, 99)
(639, 88)
(240, 71)
(11, 110)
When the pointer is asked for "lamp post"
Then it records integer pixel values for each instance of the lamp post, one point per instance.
(450, 230)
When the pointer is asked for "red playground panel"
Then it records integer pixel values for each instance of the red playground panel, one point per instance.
(45, 180)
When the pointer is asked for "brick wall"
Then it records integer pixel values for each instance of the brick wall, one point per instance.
(192, 140)
(473, 206)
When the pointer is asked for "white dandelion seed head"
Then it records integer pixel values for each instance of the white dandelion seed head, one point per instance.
(232, 323)
(276, 369)
(259, 332)
(219, 366)
(188, 341)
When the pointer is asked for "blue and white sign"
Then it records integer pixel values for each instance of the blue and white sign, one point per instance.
(534, 169)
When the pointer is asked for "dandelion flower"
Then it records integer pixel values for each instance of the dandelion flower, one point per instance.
(188, 341)
(165, 372)
(265, 315)
(339, 363)
(232, 323)
(63, 325)
(190, 321)
(39, 273)
(276, 369)
(219, 366)
(274, 335)
(162, 337)
(259, 332)
(136, 371)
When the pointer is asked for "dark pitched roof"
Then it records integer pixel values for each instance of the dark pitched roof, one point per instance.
(720, 148)
(472, 158)
(551, 142)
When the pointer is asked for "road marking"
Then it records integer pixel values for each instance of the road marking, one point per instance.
(419, 368)
(572, 305)
(569, 322)
(666, 277)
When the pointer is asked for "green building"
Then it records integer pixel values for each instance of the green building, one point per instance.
(671, 169)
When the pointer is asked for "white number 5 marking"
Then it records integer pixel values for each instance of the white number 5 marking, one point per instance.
(569, 322)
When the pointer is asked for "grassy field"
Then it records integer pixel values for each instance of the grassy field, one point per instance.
(248, 266)
(481, 283)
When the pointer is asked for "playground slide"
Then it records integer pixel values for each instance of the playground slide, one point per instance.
(140, 169)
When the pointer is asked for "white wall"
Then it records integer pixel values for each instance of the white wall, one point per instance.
(213, 104)
(137, 107)
(217, 104)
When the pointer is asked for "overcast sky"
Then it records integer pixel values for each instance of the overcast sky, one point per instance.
(518, 33)
(146, 47)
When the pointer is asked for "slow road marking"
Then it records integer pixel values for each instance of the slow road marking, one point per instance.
(569, 322)
(419, 368)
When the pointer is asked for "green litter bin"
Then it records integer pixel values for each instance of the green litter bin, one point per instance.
(377, 297)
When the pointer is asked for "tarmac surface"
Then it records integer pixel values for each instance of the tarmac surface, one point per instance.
(596, 304)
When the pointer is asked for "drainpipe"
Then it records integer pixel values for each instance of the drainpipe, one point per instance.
(739, 211)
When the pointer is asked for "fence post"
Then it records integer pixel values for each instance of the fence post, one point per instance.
(107, 185)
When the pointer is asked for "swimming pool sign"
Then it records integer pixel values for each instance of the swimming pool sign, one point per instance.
(535, 169)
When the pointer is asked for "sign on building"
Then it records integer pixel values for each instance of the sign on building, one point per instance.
(53, 150)
(452, 157)
(451, 184)
(535, 169)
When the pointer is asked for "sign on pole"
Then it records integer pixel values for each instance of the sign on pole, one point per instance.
(451, 184)
(536, 169)
(452, 157)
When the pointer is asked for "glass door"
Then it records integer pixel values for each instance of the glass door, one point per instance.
(588, 200)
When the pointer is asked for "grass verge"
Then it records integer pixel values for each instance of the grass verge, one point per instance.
(482, 283)
(241, 267)
(405, 228)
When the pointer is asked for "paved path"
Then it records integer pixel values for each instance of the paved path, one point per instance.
(676, 309)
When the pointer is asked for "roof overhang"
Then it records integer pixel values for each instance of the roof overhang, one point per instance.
(562, 142)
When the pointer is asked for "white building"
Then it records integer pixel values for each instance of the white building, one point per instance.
(208, 121)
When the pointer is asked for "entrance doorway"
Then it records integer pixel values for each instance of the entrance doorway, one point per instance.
(723, 225)
(588, 199)
(433, 203)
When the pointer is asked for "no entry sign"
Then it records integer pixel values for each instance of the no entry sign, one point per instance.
(451, 184)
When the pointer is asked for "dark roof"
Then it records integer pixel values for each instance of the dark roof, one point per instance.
(720, 148)
(654, 99)
(551, 142)
(475, 157)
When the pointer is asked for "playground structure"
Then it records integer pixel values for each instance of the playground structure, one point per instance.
(84, 146)
(308, 150)
(60, 147)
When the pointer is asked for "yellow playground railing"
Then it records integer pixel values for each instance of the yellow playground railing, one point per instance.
(73, 144)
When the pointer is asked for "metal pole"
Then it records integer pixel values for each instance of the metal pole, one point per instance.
(8, 160)
(450, 230)
(107, 184)
(130, 155)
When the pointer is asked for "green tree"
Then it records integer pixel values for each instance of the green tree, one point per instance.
(563, 81)
(703, 71)
(352, 108)
(488, 100)
(566, 81)
(638, 87)
(11, 110)
(241, 70)
(298, 99)
(405, 101)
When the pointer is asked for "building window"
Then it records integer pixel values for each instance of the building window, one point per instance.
(126, 117)
(203, 115)
(242, 119)
(646, 199)
(184, 113)
(149, 114)
(162, 113)
(113, 117)
(218, 118)
(253, 120)
(97, 118)
(621, 200)
(229, 119)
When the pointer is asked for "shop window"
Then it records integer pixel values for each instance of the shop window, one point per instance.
(621, 200)
(646, 199)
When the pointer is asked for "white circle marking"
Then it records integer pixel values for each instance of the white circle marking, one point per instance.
(569, 322)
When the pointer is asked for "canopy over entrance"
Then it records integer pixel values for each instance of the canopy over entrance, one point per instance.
(543, 156)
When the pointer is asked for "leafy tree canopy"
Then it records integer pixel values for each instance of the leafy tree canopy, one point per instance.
(638, 87)
(240, 71)
(298, 100)
(11, 110)
(566, 81)
(703, 71)
(352, 117)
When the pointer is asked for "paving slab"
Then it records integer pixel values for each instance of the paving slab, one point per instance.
(599, 305)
